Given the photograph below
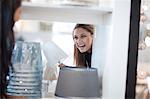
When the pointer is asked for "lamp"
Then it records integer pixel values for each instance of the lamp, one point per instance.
(77, 82)
(53, 53)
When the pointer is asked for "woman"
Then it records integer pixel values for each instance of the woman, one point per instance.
(83, 39)
(11, 10)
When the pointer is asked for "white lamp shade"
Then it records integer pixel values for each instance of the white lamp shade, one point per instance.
(53, 53)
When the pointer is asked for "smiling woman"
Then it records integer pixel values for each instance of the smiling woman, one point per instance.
(83, 39)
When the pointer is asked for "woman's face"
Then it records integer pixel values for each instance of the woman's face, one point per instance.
(82, 40)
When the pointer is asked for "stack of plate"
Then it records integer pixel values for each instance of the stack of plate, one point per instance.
(24, 83)
(25, 75)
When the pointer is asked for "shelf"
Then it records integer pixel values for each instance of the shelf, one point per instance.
(62, 13)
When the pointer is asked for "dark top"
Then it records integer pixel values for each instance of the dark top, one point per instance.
(88, 59)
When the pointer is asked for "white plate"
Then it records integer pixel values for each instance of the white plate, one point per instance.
(24, 81)
(25, 72)
(24, 84)
(21, 87)
(38, 79)
(16, 93)
(25, 91)
(25, 75)
(22, 94)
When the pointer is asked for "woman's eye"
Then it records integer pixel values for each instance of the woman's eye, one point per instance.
(82, 36)
(75, 37)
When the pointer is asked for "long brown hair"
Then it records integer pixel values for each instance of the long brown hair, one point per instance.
(7, 40)
(79, 58)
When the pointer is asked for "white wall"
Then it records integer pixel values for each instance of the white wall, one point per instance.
(113, 51)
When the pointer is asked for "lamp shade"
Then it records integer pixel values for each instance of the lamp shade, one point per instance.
(77, 82)
(53, 53)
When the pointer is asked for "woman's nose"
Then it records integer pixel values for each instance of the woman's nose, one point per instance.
(79, 40)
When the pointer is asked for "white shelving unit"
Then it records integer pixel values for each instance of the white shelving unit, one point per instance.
(110, 48)
(47, 12)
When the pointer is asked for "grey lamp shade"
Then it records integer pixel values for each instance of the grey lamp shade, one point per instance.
(77, 82)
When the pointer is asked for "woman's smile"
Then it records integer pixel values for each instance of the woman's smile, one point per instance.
(81, 47)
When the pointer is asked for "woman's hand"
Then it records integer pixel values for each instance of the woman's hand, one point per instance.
(142, 74)
(61, 65)
(141, 77)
